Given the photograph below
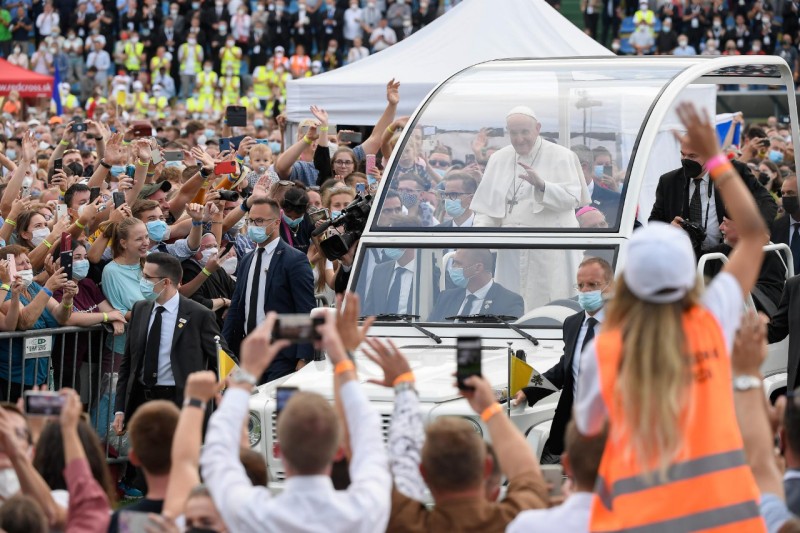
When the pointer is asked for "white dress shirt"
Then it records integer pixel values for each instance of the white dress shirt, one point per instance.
(168, 318)
(480, 296)
(467, 223)
(307, 503)
(266, 258)
(571, 516)
(576, 357)
(713, 234)
(406, 284)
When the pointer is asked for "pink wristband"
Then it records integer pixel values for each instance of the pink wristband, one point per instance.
(716, 161)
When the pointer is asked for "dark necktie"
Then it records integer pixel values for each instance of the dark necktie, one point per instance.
(695, 204)
(394, 290)
(795, 247)
(252, 310)
(590, 323)
(150, 373)
(467, 308)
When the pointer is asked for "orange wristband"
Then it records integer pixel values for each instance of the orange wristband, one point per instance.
(404, 378)
(343, 366)
(490, 411)
(718, 170)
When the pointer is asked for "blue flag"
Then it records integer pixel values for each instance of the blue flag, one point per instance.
(56, 92)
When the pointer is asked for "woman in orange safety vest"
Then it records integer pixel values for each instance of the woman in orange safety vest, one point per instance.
(659, 373)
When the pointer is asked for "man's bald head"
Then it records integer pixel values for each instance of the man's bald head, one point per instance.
(687, 152)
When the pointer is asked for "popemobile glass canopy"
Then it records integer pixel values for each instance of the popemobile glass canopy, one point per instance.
(540, 163)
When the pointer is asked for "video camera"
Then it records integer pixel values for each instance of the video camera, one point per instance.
(696, 233)
(353, 220)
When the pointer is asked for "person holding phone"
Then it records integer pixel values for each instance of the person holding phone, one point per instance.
(204, 281)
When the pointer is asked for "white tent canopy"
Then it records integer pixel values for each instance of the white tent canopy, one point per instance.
(472, 32)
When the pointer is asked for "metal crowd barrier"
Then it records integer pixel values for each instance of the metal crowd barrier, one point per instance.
(80, 358)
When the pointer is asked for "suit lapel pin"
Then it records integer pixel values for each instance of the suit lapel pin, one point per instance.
(487, 304)
(181, 322)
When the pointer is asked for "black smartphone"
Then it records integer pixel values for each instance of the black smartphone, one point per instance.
(228, 196)
(66, 263)
(58, 164)
(173, 155)
(282, 395)
(42, 403)
(608, 170)
(765, 142)
(94, 192)
(78, 125)
(468, 359)
(224, 144)
(119, 199)
(469, 159)
(130, 170)
(350, 136)
(236, 116)
(299, 329)
(226, 249)
(495, 132)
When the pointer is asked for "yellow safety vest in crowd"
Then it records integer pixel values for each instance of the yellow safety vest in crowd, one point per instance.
(139, 103)
(158, 62)
(160, 102)
(230, 89)
(206, 81)
(261, 82)
(194, 105)
(70, 102)
(230, 59)
(100, 101)
(252, 104)
(132, 54)
(198, 57)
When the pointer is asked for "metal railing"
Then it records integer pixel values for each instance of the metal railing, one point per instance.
(81, 358)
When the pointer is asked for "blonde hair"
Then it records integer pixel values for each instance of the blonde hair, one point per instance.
(654, 373)
(328, 194)
(257, 150)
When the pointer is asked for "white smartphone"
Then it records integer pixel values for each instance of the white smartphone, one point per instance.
(61, 211)
(554, 476)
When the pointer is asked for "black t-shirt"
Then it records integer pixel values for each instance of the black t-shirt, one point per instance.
(142, 506)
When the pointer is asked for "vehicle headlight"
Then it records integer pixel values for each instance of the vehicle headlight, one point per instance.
(254, 429)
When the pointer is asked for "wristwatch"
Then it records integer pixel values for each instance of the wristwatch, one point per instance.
(746, 383)
(194, 402)
(242, 376)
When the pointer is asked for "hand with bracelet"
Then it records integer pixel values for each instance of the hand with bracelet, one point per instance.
(201, 387)
(396, 370)
(481, 398)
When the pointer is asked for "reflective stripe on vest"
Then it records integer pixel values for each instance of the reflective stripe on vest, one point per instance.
(708, 484)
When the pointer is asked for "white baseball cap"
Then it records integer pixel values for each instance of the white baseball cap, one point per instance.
(660, 264)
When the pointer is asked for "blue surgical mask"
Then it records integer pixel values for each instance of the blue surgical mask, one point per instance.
(275, 147)
(394, 253)
(598, 171)
(457, 276)
(258, 123)
(440, 172)
(156, 229)
(776, 156)
(590, 301)
(210, 133)
(169, 164)
(80, 268)
(257, 234)
(116, 170)
(11, 154)
(371, 181)
(335, 214)
(409, 199)
(454, 207)
(147, 289)
(292, 222)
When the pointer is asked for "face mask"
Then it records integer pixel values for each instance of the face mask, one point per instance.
(409, 199)
(682, 43)
(230, 264)
(454, 207)
(116, 170)
(258, 123)
(81, 209)
(615, 47)
(176, 164)
(147, 289)
(80, 269)
(292, 222)
(239, 225)
(335, 214)
(39, 235)
(27, 182)
(11, 154)
(209, 133)
(275, 147)
(590, 301)
(192, 42)
(26, 276)
(457, 276)
(790, 204)
(157, 230)
(195, 5)
(257, 234)
(776, 156)
(666, 29)
(206, 255)
(394, 253)
(691, 168)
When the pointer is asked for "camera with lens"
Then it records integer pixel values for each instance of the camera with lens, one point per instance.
(350, 225)
(228, 196)
(696, 233)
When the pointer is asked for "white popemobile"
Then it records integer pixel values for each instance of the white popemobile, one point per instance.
(525, 229)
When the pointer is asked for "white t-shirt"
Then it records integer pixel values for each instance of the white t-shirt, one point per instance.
(723, 299)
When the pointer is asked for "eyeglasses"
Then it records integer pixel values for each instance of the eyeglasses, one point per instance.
(590, 286)
(454, 195)
(342, 162)
(260, 222)
(438, 163)
(151, 278)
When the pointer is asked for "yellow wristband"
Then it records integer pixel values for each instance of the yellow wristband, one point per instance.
(78, 223)
(404, 378)
(105, 317)
(62, 142)
(390, 129)
(344, 366)
(65, 306)
(324, 128)
(11, 222)
(5, 287)
(307, 140)
(47, 245)
(490, 411)
(142, 163)
(206, 272)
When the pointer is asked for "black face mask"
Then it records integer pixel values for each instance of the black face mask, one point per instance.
(76, 168)
(790, 204)
(691, 168)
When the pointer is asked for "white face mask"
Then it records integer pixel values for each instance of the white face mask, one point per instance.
(206, 255)
(9, 483)
(39, 235)
(230, 264)
(239, 225)
(26, 276)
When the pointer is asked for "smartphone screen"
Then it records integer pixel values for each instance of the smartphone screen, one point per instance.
(468, 359)
(94, 192)
(12, 266)
(58, 164)
(282, 395)
(554, 476)
(173, 155)
(469, 159)
(319, 214)
(370, 163)
(300, 329)
(236, 116)
(133, 522)
(351, 137)
(361, 188)
(156, 157)
(119, 198)
(42, 403)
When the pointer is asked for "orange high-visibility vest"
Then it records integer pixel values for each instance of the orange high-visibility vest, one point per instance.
(709, 484)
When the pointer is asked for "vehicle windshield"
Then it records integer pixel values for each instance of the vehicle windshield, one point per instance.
(437, 283)
(506, 146)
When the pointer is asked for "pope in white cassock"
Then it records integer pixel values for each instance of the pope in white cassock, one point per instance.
(532, 183)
